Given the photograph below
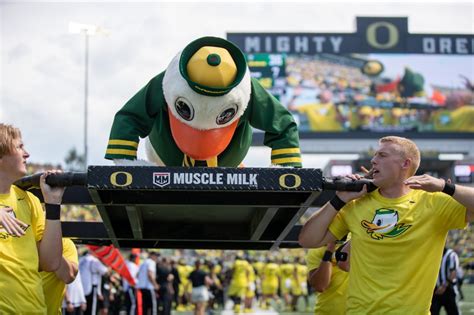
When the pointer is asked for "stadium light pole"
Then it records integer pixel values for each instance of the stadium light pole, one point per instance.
(87, 30)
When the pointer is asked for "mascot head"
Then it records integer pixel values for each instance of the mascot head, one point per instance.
(207, 89)
(411, 84)
(372, 68)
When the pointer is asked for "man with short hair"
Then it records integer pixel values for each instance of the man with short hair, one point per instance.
(398, 231)
(29, 240)
(147, 284)
(92, 271)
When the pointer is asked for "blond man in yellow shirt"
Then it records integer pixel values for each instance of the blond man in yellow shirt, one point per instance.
(398, 231)
(29, 239)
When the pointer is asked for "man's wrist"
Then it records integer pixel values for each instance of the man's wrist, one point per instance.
(52, 201)
(337, 203)
(449, 188)
(53, 211)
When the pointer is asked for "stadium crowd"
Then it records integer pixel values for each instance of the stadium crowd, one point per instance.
(330, 93)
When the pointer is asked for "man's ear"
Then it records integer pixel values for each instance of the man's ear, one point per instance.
(406, 163)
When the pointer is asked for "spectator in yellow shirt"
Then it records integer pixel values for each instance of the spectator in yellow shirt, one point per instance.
(54, 283)
(29, 240)
(328, 279)
(322, 116)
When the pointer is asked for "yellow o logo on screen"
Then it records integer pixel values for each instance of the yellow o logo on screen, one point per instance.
(372, 35)
(128, 179)
(295, 185)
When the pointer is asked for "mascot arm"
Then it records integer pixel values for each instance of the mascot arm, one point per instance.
(281, 130)
(135, 120)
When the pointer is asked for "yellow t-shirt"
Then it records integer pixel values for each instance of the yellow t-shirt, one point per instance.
(20, 281)
(239, 281)
(460, 119)
(287, 272)
(321, 117)
(396, 249)
(184, 271)
(217, 269)
(299, 285)
(270, 282)
(53, 287)
(250, 291)
(239, 276)
(251, 273)
(333, 299)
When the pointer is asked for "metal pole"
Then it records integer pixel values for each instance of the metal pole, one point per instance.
(86, 86)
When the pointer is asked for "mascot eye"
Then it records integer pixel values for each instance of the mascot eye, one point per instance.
(379, 222)
(184, 109)
(226, 115)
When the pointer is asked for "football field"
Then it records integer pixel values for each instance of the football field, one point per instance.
(466, 306)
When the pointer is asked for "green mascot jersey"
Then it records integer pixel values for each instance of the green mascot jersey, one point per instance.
(145, 114)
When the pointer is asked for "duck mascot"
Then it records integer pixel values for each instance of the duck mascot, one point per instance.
(410, 85)
(200, 112)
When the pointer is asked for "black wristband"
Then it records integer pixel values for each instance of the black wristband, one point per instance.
(337, 203)
(449, 188)
(327, 256)
(53, 212)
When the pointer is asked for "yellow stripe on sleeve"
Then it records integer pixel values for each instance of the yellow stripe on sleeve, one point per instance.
(121, 151)
(285, 151)
(287, 160)
(123, 142)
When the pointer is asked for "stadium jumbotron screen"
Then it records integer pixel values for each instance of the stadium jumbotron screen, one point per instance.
(380, 79)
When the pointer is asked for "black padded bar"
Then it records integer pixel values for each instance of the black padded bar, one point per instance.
(60, 179)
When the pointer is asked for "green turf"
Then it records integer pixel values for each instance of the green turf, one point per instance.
(466, 306)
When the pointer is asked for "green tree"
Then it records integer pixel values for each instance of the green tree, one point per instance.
(74, 161)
